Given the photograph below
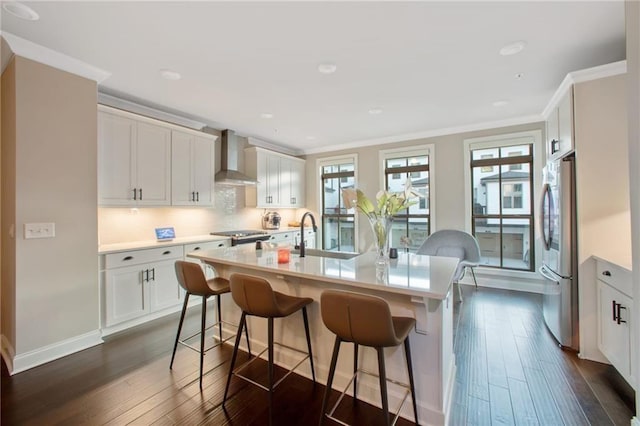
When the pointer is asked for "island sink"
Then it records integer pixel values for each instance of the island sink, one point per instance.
(344, 255)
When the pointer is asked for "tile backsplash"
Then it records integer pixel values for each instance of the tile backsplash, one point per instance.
(119, 225)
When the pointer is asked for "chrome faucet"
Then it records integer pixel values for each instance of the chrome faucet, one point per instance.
(315, 229)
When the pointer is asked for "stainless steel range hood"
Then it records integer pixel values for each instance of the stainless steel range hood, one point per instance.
(229, 174)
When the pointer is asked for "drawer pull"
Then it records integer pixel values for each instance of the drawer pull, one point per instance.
(606, 273)
(124, 259)
(166, 252)
(220, 244)
(196, 248)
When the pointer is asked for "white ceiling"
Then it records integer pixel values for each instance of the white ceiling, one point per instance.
(427, 65)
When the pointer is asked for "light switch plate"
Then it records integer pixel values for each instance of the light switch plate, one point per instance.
(39, 230)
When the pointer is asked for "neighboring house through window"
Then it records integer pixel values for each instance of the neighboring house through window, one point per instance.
(338, 223)
(501, 196)
(412, 226)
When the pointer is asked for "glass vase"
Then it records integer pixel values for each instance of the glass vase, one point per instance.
(381, 227)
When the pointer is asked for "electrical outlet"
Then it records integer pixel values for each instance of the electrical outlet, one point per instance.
(39, 230)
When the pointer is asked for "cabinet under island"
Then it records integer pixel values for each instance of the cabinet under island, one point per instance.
(414, 285)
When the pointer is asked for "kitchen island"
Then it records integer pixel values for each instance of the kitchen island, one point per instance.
(413, 285)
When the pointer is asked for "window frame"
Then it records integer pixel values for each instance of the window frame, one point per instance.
(533, 137)
(413, 151)
(335, 161)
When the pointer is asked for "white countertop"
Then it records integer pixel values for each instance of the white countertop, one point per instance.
(136, 245)
(411, 274)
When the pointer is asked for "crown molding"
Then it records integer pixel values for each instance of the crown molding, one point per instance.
(602, 71)
(273, 147)
(44, 55)
(427, 134)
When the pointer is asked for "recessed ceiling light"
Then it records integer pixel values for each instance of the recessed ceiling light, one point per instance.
(500, 103)
(327, 68)
(266, 115)
(513, 48)
(21, 11)
(170, 75)
(375, 111)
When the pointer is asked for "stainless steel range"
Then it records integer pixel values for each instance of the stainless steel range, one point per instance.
(244, 236)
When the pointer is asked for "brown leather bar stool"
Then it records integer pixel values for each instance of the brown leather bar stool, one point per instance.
(192, 279)
(255, 297)
(365, 320)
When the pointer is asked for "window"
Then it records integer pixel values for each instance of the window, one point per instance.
(338, 223)
(502, 203)
(412, 226)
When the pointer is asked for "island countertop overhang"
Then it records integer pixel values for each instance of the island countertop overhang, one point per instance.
(411, 274)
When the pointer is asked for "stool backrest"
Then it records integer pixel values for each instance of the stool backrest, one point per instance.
(253, 295)
(191, 278)
(363, 319)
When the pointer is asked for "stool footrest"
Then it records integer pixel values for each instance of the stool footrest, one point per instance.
(236, 372)
(369, 373)
(183, 342)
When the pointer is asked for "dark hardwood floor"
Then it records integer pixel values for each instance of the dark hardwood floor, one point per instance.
(509, 372)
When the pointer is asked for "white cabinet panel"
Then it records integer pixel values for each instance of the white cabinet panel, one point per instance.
(193, 169)
(615, 317)
(280, 179)
(153, 165)
(116, 171)
(125, 295)
(164, 290)
(560, 139)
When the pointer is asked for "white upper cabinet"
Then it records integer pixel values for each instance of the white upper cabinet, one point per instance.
(146, 162)
(280, 179)
(560, 139)
(193, 167)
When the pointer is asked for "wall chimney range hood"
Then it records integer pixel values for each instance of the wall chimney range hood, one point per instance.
(229, 174)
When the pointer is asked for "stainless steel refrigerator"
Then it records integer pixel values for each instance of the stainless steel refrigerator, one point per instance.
(559, 259)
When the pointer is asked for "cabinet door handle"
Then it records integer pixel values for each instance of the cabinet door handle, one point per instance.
(135, 194)
(166, 252)
(614, 310)
(193, 196)
(620, 320)
(124, 259)
(145, 276)
(153, 274)
(606, 273)
(140, 194)
(554, 146)
(197, 196)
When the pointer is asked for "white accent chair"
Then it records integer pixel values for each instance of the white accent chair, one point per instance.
(454, 243)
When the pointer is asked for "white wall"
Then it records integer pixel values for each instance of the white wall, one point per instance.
(50, 175)
(602, 191)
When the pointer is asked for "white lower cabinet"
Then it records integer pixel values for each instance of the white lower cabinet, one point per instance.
(615, 317)
(140, 282)
(141, 285)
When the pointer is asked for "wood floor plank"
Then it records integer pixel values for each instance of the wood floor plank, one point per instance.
(478, 376)
(546, 409)
(496, 372)
(478, 412)
(523, 410)
(563, 395)
(500, 403)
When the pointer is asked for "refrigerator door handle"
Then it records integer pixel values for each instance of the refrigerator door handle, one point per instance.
(548, 274)
(545, 212)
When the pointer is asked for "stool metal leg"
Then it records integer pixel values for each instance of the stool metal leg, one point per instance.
(270, 372)
(219, 316)
(246, 334)
(306, 329)
(383, 385)
(175, 346)
(203, 327)
(355, 369)
(332, 371)
(407, 354)
(234, 355)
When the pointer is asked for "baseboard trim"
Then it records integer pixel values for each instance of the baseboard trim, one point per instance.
(505, 282)
(8, 352)
(28, 360)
